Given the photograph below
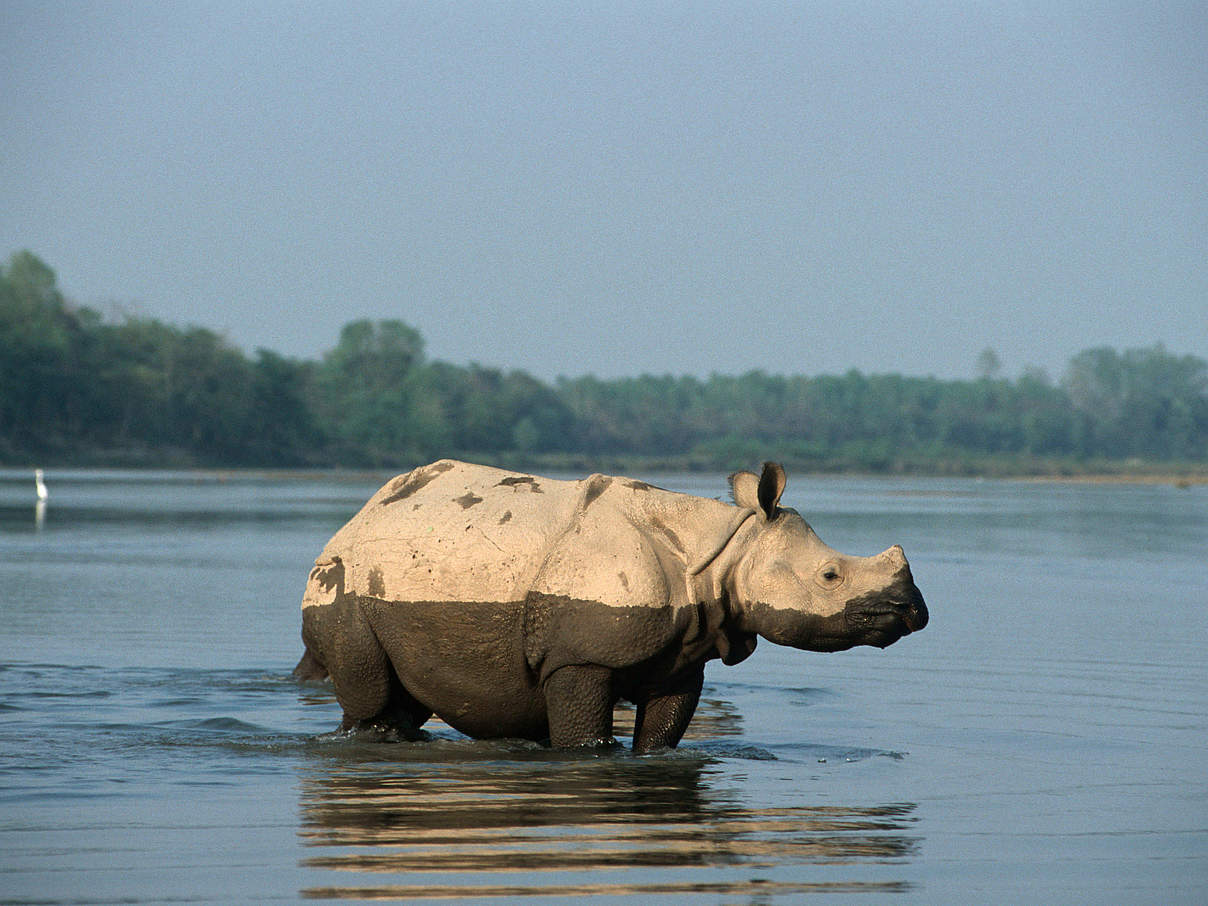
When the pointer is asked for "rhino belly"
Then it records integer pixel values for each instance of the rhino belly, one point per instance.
(465, 661)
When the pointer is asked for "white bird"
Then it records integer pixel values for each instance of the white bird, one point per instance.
(40, 485)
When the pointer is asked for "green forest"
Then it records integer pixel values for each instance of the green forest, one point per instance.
(79, 389)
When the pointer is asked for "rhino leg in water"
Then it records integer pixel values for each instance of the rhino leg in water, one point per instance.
(364, 680)
(663, 716)
(579, 701)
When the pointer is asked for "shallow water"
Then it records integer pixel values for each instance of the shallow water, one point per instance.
(1043, 740)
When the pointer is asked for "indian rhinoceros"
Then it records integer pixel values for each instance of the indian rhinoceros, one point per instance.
(518, 606)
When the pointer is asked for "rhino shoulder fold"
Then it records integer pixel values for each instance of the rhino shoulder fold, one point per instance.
(561, 631)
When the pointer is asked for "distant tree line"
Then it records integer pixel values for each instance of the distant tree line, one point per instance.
(78, 389)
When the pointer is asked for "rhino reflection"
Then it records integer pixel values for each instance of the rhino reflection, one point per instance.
(612, 825)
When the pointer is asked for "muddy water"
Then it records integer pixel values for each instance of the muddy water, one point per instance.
(1043, 740)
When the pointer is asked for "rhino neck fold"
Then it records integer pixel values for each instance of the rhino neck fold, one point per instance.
(711, 587)
(712, 578)
(721, 543)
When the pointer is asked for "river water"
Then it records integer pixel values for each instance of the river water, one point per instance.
(1045, 739)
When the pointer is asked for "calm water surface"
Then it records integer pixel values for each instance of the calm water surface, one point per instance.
(1043, 740)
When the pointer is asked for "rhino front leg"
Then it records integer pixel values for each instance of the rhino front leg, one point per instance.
(579, 700)
(664, 714)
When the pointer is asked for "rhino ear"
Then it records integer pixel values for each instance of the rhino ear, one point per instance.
(759, 492)
(744, 487)
(771, 486)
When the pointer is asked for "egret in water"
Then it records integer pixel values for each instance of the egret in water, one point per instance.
(40, 485)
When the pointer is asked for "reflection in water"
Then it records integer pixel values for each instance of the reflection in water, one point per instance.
(457, 818)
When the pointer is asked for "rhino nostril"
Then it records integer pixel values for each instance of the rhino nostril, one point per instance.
(916, 616)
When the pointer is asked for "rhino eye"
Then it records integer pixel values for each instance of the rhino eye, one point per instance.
(830, 574)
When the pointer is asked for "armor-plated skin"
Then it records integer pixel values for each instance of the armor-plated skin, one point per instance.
(518, 606)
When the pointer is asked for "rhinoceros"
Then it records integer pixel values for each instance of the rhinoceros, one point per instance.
(516, 606)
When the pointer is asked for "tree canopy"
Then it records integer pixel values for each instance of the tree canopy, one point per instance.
(76, 388)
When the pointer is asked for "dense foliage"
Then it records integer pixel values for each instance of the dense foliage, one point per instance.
(77, 389)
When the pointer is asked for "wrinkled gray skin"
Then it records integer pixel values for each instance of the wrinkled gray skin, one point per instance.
(517, 606)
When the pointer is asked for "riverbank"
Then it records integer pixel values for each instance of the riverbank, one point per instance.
(1071, 472)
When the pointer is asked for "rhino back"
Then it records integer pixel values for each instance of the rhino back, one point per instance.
(449, 531)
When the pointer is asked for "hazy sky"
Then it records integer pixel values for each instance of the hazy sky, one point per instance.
(620, 188)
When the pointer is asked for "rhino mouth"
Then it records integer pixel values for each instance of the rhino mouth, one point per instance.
(883, 621)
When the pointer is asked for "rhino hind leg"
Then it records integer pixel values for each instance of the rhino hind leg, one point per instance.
(310, 669)
(399, 719)
(340, 641)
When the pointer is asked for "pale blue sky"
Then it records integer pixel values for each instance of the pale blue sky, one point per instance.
(624, 187)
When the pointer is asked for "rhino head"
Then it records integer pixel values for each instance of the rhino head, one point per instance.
(792, 589)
